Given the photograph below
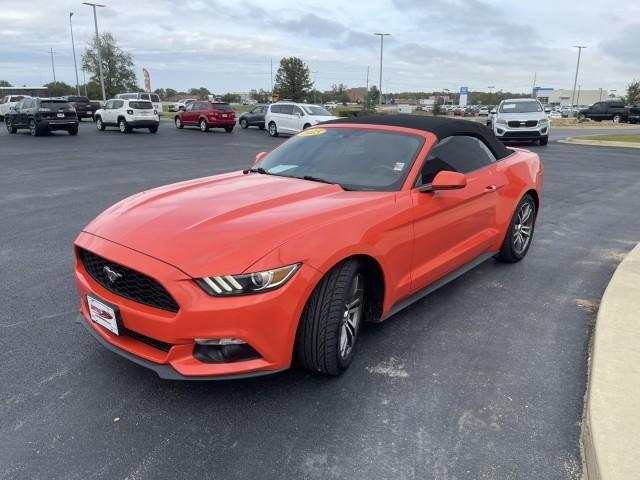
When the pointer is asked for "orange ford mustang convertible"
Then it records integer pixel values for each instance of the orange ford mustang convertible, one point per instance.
(245, 273)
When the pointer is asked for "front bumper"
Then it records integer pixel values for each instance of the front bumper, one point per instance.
(267, 322)
(506, 133)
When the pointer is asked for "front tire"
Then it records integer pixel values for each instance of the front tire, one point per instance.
(330, 323)
(9, 125)
(520, 232)
(178, 123)
(617, 118)
(543, 141)
(243, 123)
(100, 124)
(33, 128)
(273, 129)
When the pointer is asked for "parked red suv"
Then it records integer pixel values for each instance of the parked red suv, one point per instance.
(206, 115)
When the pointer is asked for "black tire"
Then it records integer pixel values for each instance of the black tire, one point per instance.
(73, 130)
(204, 126)
(243, 123)
(306, 125)
(100, 124)
(273, 129)
(617, 118)
(228, 129)
(261, 127)
(178, 123)
(123, 127)
(510, 252)
(10, 127)
(543, 141)
(33, 128)
(319, 335)
(581, 117)
(153, 129)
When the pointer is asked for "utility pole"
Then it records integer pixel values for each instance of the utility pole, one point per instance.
(578, 97)
(600, 93)
(73, 46)
(53, 67)
(533, 88)
(575, 81)
(271, 80)
(84, 78)
(367, 79)
(381, 35)
(95, 21)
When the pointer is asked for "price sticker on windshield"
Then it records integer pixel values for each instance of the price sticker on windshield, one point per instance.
(312, 132)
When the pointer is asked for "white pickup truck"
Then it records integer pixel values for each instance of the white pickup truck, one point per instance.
(7, 102)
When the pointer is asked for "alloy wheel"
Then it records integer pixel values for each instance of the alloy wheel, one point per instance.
(523, 228)
(123, 126)
(178, 123)
(351, 317)
(33, 129)
(99, 124)
(203, 126)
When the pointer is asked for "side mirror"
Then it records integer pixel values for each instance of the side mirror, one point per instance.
(260, 156)
(446, 180)
(12, 108)
(494, 111)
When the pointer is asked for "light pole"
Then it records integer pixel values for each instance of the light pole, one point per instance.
(575, 81)
(447, 90)
(73, 46)
(53, 67)
(95, 21)
(600, 93)
(381, 35)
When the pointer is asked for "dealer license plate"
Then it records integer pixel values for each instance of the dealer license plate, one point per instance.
(103, 314)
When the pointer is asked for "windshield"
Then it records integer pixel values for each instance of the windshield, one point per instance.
(78, 99)
(355, 158)
(154, 97)
(142, 105)
(520, 107)
(315, 110)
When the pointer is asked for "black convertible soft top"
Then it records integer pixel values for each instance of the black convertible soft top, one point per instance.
(441, 127)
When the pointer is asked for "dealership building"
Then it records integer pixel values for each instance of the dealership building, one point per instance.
(562, 98)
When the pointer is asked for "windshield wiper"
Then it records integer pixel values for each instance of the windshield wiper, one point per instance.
(255, 170)
(321, 180)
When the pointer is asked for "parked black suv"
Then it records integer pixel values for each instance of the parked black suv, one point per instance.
(608, 110)
(84, 107)
(42, 115)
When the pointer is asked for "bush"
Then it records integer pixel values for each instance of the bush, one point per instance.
(354, 113)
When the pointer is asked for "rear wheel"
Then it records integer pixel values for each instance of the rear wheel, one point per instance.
(99, 124)
(153, 129)
(228, 129)
(33, 128)
(122, 126)
(243, 123)
(273, 129)
(203, 125)
(178, 122)
(9, 125)
(518, 238)
(73, 130)
(330, 323)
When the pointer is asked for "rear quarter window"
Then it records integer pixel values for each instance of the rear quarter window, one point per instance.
(225, 107)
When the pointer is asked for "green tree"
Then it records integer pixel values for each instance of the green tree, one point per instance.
(93, 90)
(633, 93)
(371, 98)
(260, 96)
(201, 93)
(161, 93)
(4, 83)
(117, 66)
(170, 92)
(231, 98)
(58, 89)
(339, 93)
(292, 79)
(437, 107)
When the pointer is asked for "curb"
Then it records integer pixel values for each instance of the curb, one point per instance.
(598, 143)
(611, 427)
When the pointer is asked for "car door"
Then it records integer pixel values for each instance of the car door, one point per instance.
(285, 119)
(105, 112)
(189, 115)
(454, 227)
(297, 119)
(27, 111)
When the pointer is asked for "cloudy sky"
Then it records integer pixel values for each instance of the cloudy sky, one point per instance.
(435, 44)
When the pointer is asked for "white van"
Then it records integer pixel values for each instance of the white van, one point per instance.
(155, 99)
(290, 117)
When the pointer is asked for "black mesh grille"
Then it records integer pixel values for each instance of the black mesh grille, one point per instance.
(160, 345)
(130, 284)
(518, 124)
(534, 134)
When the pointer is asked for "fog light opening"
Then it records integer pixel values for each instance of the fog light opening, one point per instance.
(223, 350)
(220, 341)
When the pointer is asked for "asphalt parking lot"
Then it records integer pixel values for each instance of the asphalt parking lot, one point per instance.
(484, 378)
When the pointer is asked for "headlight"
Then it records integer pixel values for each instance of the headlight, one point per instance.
(501, 121)
(543, 121)
(247, 283)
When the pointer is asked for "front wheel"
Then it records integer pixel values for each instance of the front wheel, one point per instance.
(617, 118)
(243, 123)
(100, 124)
(10, 127)
(273, 129)
(178, 122)
(518, 238)
(33, 128)
(330, 323)
(543, 141)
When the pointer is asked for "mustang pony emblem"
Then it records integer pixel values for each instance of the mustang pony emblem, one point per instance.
(111, 273)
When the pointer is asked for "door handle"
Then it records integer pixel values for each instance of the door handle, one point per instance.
(490, 188)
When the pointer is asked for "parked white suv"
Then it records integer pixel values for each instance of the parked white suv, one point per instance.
(9, 101)
(521, 119)
(290, 117)
(127, 115)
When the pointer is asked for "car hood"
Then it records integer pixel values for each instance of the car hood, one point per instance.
(224, 224)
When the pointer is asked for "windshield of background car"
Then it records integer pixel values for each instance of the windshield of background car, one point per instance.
(520, 107)
(141, 105)
(313, 110)
(79, 99)
(154, 97)
(355, 158)
(16, 98)
(55, 104)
